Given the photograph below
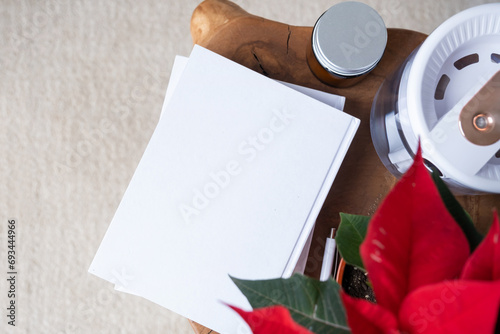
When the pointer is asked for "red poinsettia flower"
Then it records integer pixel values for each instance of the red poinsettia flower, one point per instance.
(418, 261)
(271, 320)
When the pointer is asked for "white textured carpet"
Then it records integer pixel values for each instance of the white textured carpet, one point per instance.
(81, 88)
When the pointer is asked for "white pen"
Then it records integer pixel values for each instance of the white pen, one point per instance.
(330, 257)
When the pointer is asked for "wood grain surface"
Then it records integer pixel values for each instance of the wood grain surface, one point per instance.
(278, 51)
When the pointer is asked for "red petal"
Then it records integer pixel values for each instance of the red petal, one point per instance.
(368, 318)
(271, 320)
(452, 307)
(412, 240)
(484, 263)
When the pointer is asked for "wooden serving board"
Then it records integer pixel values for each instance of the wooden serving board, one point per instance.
(278, 51)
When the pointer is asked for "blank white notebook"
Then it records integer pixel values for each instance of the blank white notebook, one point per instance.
(231, 183)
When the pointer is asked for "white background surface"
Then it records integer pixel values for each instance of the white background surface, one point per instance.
(81, 89)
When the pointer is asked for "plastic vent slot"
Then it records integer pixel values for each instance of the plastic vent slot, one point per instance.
(441, 87)
(495, 57)
(466, 61)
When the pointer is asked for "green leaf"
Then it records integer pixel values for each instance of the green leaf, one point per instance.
(314, 305)
(457, 212)
(350, 235)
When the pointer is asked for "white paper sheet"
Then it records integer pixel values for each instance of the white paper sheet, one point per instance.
(180, 62)
(231, 183)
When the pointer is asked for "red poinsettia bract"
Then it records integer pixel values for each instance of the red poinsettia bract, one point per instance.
(418, 261)
(271, 320)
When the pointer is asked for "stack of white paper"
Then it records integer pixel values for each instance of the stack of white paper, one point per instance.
(231, 183)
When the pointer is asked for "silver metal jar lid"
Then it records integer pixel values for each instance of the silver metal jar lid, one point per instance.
(349, 39)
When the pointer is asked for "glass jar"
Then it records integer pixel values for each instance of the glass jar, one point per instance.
(347, 42)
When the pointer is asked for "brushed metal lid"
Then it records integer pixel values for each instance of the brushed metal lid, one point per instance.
(349, 39)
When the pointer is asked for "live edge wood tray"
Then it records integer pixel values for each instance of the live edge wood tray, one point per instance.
(278, 51)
